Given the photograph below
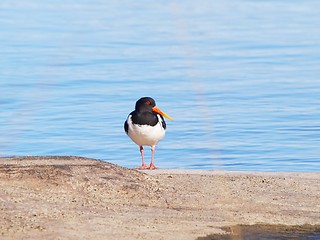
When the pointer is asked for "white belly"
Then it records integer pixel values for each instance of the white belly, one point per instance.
(145, 135)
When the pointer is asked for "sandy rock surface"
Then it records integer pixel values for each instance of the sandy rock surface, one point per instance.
(80, 198)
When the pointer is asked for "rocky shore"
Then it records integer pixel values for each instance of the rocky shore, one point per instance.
(80, 198)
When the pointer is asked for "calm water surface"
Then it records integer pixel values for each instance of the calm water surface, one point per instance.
(240, 78)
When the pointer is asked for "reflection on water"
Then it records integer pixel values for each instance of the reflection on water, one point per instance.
(240, 79)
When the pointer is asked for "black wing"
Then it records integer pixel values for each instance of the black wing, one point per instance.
(126, 127)
(164, 125)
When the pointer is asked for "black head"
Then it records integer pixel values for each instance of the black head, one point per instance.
(145, 104)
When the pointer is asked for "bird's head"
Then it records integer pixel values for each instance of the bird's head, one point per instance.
(148, 104)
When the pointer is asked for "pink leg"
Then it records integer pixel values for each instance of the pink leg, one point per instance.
(143, 165)
(152, 166)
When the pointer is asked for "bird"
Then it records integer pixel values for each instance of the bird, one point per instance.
(146, 127)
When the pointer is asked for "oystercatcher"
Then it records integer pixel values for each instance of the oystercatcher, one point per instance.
(146, 126)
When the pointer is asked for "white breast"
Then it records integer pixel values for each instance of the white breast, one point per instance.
(145, 135)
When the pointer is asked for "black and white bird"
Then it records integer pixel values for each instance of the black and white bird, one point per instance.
(146, 127)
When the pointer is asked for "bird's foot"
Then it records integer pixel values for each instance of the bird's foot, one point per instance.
(143, 166)
(152, 166)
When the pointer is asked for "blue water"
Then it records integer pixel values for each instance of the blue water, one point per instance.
(241, 78)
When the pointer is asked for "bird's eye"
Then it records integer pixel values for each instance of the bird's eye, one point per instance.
(148, 102)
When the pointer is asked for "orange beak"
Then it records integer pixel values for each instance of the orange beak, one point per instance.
(157, 110)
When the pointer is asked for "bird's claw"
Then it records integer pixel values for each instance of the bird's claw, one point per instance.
(145, 166)
(152, 166)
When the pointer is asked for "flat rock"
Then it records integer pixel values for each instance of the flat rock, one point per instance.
(81, 198)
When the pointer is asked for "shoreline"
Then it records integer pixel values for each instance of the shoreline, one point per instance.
(229, 173)
(71, 197)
